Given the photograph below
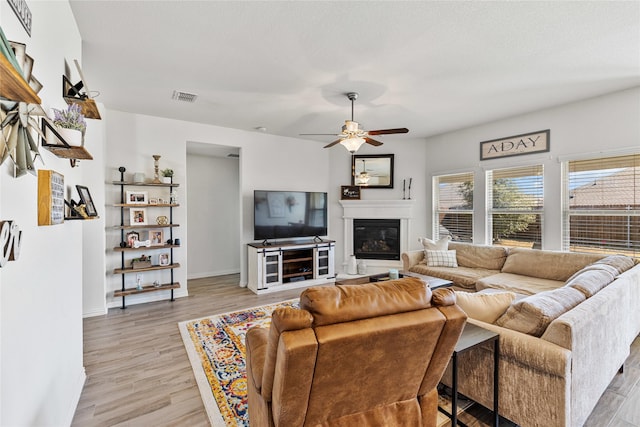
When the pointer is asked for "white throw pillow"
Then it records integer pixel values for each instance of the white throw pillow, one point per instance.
(440, 245)
(441, 258)
(486, 307)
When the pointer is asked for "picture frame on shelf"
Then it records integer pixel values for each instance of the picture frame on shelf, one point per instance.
(137, 198)
(372, 170)
(156, 236)
(85, 197)
(153, 200)
(138, 216)
(132, 236)
(163, 259)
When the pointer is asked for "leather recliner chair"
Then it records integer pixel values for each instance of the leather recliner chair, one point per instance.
(354, 355)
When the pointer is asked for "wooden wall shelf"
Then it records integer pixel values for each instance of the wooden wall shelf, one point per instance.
(14, 87)
(148, 288)
(88, 106)
(140, 270)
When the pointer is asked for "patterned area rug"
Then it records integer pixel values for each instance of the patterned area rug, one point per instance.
(215, 346)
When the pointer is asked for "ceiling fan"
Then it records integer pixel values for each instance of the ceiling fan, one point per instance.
(352, 136)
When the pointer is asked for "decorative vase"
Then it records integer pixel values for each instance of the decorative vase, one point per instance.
(352, 265)
(72, 137)
(362, 267)
(166, 179)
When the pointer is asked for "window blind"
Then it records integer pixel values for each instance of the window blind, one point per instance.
(601, 209)
(515, 201)
(453, 206)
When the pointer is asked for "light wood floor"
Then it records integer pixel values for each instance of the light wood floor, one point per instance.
(138, 373)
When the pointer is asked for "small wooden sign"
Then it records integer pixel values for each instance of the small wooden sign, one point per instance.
(527, 143)
(350, 192)
(50, 197)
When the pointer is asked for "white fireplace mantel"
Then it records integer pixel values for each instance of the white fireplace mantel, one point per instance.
(378, 209)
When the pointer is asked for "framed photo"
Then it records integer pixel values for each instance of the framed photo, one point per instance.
(372, 171)
(163, 259)
(138, 216)
(132, 236)
(153, 200)
(86, 199)
(156, 236)
(350, 192)
(137, 198)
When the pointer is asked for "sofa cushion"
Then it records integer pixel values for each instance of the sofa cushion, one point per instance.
(620, 262)
(440, 258)
(461, 276)
(591, 280)
(533, 314)
(440, 245)
(546, 264)
(487, 307)
(516, 283)
(479, 256)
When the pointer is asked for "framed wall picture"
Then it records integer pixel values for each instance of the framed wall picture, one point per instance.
(156, 236)
(517, 145)
(372, 170)
(132, 236)
(350, 192)
(138, 216)
(137, 198)
(86, 199)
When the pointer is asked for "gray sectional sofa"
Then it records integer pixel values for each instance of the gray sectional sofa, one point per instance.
(564, 337)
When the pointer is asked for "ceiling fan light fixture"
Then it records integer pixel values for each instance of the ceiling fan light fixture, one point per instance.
(352, 144)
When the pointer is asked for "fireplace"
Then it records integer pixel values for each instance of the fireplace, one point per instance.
(376, 238)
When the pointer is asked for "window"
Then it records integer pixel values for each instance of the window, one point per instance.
(601, 209)
(515, 201)
(453, 206)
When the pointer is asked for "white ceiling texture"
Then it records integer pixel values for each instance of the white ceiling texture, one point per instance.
(285, 66)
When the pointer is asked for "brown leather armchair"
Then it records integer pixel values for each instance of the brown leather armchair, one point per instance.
(355, 355)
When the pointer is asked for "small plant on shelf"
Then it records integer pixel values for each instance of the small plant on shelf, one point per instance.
(167, 175)
(71, 118)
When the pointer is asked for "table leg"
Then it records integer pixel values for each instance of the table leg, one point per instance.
(454, 390)
(496, 360)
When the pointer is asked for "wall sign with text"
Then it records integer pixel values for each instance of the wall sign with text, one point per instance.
(527, 143)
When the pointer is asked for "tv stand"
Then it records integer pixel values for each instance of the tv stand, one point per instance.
(288, 265)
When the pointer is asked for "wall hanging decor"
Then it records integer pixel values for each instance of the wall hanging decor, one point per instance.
(51, 204)
(10, 241)
(350, 192)
(517, 145)
(372, 170)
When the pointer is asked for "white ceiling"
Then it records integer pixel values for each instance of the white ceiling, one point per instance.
(432, 67)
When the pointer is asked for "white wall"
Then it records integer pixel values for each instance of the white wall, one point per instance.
(41, 372)
(266, 162)
(606, 124)
(213, 216)
(409, 162)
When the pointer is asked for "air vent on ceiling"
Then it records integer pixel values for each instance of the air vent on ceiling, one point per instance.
(235, 156)
(184, 96)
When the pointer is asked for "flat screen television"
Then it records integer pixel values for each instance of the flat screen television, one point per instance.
(289, 214)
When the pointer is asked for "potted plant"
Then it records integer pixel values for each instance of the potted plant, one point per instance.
(167, 175)
(71, 124)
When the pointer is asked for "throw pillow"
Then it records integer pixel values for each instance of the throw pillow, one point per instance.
(440, 245)
(441, 258)
(485, 307)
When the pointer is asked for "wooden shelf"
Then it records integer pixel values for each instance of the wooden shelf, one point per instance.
(77, 153)
(119, 249)
(145, 289)
(14, 87)
(129, 227)
(147, 205)
(139, 270)
(71, 218)
(88, 106)
(291, 260)
(145, 184)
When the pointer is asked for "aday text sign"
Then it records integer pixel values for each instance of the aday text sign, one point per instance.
(516, 145)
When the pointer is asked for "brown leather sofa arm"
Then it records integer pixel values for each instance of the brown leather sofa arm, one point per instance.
(256, 347)
(443, 296)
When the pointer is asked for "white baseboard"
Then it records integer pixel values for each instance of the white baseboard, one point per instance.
(211, 274)
(79, 385)
(95, 312)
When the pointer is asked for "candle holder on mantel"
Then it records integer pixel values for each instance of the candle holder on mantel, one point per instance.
(156, 166)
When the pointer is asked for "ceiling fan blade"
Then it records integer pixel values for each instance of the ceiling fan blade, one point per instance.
(372, 142)
(388, 131)
(332, 143)
(320, 134)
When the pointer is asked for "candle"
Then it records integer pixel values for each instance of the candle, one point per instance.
(404, 181)
(410, 179)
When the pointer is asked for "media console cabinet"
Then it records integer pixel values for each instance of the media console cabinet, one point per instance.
(290, 264)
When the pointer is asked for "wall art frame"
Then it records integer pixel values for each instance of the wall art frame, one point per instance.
(372, 170)
(516, 145)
